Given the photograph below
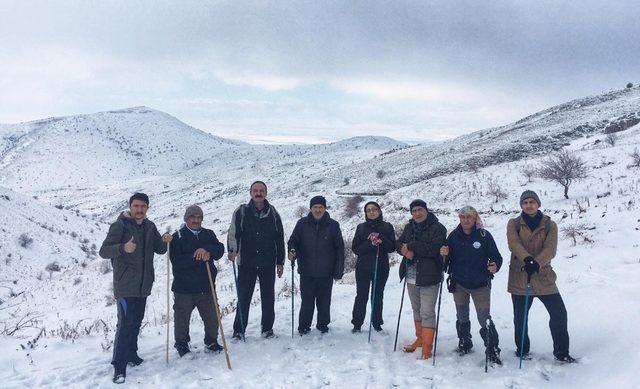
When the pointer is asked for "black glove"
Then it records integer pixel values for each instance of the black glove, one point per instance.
(531, 266)
(451, 285)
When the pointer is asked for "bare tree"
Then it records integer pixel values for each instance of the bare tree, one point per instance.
(635, 156)
(529, 172)
(611, 139)
(496, 190)
(301, 211)
(563, 168)
(353, 206)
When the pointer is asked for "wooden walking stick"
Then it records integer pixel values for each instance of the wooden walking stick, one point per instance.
(168, 302)
(218, 315)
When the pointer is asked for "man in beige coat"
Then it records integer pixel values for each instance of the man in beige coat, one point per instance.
(533, 239)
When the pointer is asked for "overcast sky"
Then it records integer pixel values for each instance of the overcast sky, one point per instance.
(316, 70)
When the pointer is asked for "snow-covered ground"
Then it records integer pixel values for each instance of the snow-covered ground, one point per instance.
(597, 276)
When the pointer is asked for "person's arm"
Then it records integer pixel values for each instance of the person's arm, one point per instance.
(112, 246)
(338, 270)
(214, 246)
(360, 244)
(159, 246)
(492, 251)
(232, 238)
(179, 258)
(549, 247)
(280, 252)
(294, 240)
(430, 246)
(515, 243)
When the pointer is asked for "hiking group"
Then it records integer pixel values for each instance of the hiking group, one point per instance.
(256, 245)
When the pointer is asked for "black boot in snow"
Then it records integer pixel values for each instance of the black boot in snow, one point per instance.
(491, 341)
(214, 347)
(566, 358)
(119, 374)
(183, 349)
(135, 360)
(464, 337)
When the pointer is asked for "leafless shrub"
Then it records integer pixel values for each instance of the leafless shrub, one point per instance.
(635, 157)
(110, 300)
(301, 211)
(380, 173)
(353, 206)
(105, 266)
(529, 172)
(25, 240)
(611, 139)
(563, 168)
(28, 320)
(575, 232)
(495, 190)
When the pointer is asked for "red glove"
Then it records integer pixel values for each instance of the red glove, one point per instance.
(374, 237)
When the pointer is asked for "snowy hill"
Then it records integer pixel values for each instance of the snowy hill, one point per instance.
(101, 147)
(597, 272)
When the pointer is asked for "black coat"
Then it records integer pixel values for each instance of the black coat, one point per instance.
(425, 240)
(190, 275)
(319, 247)
(469, 256)
(366, 252)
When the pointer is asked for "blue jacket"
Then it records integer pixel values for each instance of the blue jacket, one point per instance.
(189, 275)
(469, 256)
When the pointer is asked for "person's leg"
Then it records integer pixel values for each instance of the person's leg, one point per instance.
(557, 323)
(414, 298)
(518, 319)
(482, 302)
(428, 299)
(267, 278)
(207, 311)
(363, 280)
(463, 324)
(246, 284)
(140, 304)
(124, 332)
(379, 297)
(183, 305)
(323, 288)
(307, 300)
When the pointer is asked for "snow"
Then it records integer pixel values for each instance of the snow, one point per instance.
(64, 211)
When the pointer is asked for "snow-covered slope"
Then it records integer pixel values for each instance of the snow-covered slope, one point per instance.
(597, 274)
(106, 146)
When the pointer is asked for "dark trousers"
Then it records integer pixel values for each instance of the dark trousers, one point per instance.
(557, 322)
(315, 291)
(125, 344)
(364, 280)
(183, 305)
(246, 284)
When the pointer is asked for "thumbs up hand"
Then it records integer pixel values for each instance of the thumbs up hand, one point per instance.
(130, 246)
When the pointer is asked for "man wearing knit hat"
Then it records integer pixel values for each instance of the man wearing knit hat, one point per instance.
(131, 243)
(419, 246)
(473, 259)
(191, 248)
(533, 239)
(316, 242)
(255, 242)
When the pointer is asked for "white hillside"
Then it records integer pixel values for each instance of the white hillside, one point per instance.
(101, 147)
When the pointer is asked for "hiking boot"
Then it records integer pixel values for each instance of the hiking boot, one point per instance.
(464, 337)
(268, 334)
(426, 336)
(566, 358)
(323, 329)
(304, 331)
(377, 327)
(119, 374)
(237, 336)
(356, 329)
(135, 360)
(213, 347)
(418, 342)
(183, 349)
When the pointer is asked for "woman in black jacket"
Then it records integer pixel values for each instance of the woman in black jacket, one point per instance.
(373, 239)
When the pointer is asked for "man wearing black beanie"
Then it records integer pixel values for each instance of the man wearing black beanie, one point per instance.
(316, 242)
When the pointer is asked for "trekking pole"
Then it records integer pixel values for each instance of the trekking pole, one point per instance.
(214, 296)
(293, 289)
(524, 321)
(435, 342)
(404, 286)
(235, 280)
(168, 301)
(373, 292)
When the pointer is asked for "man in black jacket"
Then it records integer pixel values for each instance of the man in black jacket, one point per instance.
(256, 243)
(317, 243)
(192, 248)
(131, 243)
